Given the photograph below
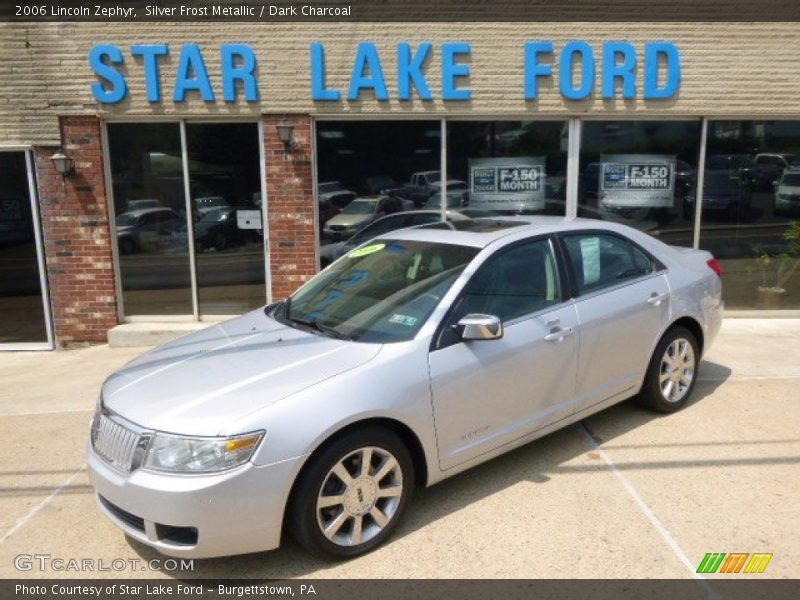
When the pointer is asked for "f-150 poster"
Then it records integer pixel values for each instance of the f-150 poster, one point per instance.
(637, 180)
(507, 183)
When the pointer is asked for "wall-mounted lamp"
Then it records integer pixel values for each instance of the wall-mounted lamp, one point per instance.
(285, 133)
(63, 163)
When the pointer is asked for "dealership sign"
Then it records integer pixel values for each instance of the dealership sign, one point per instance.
(637, 180)
(578, 64)
(507, 183)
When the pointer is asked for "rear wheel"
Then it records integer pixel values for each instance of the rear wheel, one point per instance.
(672, 372)
(353, 494)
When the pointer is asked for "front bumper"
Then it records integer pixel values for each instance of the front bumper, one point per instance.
(197, 516)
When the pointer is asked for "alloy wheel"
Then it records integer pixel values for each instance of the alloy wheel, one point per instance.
(677, 370)
(359, 496)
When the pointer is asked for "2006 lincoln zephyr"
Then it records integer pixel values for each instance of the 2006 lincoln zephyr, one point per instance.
(420, 354)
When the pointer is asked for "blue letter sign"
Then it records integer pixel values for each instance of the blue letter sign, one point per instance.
(652, 52)
(150, 54)
(367, 61)
(117, 86)
(191, 63)
(244, 72)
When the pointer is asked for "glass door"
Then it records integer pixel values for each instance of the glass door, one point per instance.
(188, 218)
(24, 307)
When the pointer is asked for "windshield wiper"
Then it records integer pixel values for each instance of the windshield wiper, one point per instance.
(332, 331)
(321, 327)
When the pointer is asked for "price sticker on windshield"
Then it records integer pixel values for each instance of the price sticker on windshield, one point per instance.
(366, 250)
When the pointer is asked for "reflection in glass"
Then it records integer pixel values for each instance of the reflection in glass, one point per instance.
(751, 211)
(22, 318)
(225, 183)
(149, 206)
(641, 174)
(368, 170)
(508, 167)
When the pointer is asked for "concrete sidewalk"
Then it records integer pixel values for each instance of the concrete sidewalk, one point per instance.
(625, 494)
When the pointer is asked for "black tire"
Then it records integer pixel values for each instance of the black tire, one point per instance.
(651, 395)
(126, 246)
(302, 521)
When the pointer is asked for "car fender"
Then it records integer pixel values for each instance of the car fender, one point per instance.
(393, 385)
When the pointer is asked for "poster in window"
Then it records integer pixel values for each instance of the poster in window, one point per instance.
(637, 180)
(515, 183)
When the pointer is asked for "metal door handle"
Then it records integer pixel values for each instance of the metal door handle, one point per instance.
(655, 299)
(557, 334)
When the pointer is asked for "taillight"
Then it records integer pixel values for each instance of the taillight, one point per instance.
(713, 263)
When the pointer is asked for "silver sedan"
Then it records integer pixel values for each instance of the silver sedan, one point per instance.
(423, 353)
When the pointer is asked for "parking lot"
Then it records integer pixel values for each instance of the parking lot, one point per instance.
(624, 494)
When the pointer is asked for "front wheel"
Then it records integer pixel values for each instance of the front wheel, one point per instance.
(672, 372)
(353, 494)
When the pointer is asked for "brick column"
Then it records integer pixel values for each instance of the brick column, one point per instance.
(77, 239)
(290, 205)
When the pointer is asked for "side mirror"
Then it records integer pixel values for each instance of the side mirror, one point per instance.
(480, 327)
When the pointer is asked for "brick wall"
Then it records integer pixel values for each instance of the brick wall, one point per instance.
(76, 235)
(290, 205)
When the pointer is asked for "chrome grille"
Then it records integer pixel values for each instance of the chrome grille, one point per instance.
(114, 442)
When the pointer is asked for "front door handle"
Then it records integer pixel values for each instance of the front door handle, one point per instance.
(656, 299)
(557, 334)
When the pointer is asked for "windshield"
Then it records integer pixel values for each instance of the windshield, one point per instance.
(329, 186)
(722, 180)
(211, 201)
(792, 179)
(124, 220)
(360, 207)
(380, 293)
(728, 161)
(454, 200)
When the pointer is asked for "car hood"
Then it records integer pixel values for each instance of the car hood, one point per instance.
(348, 220)
(332, 251)
(788, 189)
(202, 383)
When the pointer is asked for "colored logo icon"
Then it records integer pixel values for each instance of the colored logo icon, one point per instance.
(736, 562)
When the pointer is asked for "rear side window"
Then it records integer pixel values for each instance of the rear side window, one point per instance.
(601, 261)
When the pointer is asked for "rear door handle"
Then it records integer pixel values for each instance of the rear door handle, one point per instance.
(656, 299)
(557, 334)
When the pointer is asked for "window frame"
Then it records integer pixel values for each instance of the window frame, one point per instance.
(574, 293)
(439, 340)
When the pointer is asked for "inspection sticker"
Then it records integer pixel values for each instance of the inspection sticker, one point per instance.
(366, 250)
(403, 320)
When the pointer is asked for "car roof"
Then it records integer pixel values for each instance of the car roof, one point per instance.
(143, 211)
(481, 232)
(405, 213)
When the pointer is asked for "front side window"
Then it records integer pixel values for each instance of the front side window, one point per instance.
(601, 261)
(512, 283)
(381, 293)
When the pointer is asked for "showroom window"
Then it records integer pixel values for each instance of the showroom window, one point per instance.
(367, 170)
(205, 257)
(507, 167)
(642, 174)
(751, 211)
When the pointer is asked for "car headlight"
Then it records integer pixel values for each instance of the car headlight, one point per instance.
(180, 454)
